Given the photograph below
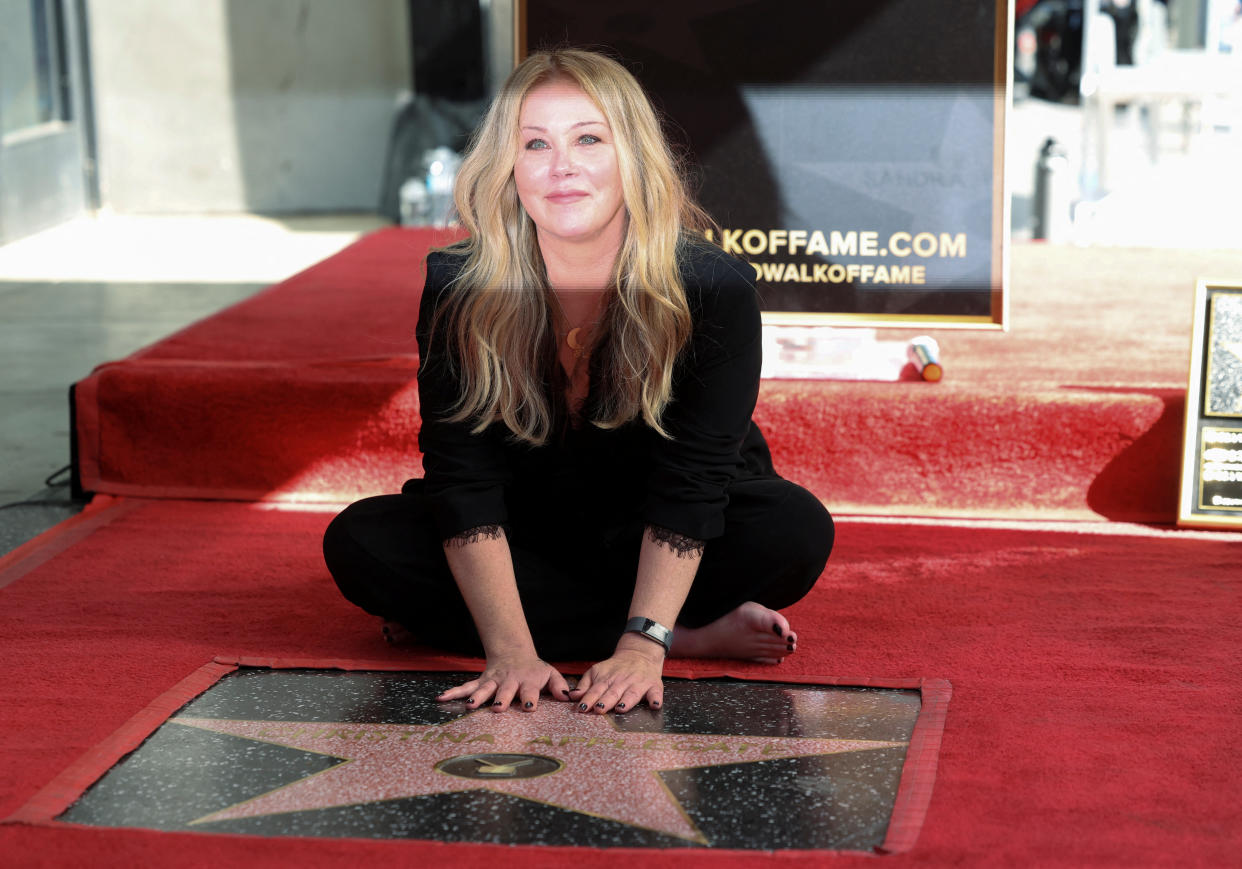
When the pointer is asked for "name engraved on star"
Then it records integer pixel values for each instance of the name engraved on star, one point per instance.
(437, 735)
(769, 750)
(374, 734)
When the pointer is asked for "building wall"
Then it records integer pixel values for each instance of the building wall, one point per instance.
(274, 106)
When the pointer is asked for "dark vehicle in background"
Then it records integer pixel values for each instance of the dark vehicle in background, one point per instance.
(1048, 44)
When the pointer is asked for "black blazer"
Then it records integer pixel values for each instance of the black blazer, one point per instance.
(587, 477)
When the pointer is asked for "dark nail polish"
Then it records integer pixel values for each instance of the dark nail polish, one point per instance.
(655, 705)
(565, 691)
(471, 700)
(496, 703)
(790, 647)
(528, 704)
(582, 706)
(620, 705)
(776, 629)
(599, 705)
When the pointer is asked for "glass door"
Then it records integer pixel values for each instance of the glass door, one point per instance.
(44, 125)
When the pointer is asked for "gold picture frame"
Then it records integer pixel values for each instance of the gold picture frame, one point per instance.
(1210, 493)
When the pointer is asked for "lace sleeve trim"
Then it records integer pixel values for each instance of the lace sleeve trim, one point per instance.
(474, 535)
(679, 544)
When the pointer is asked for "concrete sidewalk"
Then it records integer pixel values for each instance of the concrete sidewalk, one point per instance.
(1183, 196)
(97, 289)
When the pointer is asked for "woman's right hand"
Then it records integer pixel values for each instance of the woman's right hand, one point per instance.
(522, 677)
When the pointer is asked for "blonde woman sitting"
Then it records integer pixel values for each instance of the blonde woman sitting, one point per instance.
(594, 485)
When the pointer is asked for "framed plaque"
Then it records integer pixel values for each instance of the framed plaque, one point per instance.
(1211, 481)
(851, 150)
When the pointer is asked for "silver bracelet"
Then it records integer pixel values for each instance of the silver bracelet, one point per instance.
(652, 630)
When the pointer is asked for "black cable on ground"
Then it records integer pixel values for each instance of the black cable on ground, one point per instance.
(51, 483)
(40, 503)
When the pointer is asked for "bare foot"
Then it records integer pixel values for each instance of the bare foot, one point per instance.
(751, 632)
(395, 634)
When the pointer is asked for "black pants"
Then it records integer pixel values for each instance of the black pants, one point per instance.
(575, 587)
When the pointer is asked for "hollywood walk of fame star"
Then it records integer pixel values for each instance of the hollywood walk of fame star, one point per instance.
(581, 763)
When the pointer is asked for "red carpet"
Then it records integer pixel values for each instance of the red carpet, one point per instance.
(1095, 675)
(305, 393)
(1095, 666)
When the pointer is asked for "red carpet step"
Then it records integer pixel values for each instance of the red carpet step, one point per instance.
(306, 392)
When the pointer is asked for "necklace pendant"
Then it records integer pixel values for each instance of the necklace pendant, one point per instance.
(574, 340)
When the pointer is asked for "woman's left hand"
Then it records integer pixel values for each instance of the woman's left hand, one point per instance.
(623, 681)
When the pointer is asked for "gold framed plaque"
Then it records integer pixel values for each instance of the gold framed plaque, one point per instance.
(1211, 479)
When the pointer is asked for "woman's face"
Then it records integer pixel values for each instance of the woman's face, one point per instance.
(566, 171)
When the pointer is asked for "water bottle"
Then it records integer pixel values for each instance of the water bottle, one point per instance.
(413, 199)
(1053, 193)
(441, 166)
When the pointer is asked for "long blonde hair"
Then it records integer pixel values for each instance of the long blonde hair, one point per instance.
(497, 311)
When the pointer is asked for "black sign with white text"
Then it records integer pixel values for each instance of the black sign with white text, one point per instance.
(849, 149)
